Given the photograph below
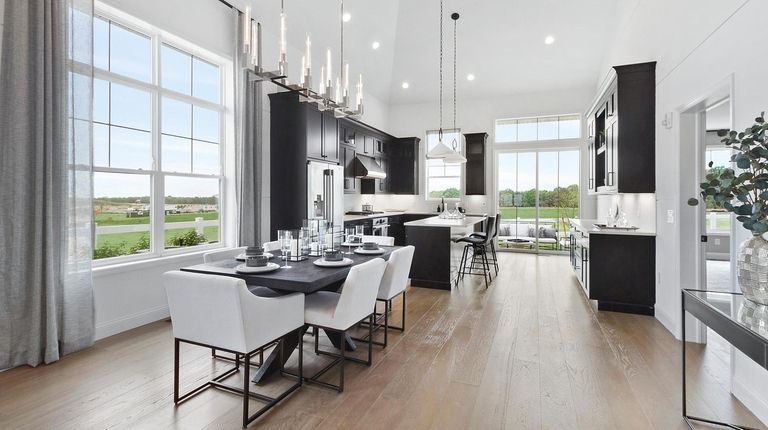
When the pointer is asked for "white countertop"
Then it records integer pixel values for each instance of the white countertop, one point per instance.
(348, 218)
(436, 221)
(587, 226)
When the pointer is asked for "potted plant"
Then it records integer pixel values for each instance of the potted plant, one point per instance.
(745, 193)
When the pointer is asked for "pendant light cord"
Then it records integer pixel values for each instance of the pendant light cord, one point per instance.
(440, 98)
(341, 69)
(455, 143)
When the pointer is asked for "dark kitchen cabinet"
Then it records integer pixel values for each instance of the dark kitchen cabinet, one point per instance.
(621, 133)
(397, 229)
(403, 171)
(348, 161)
(330, 138)
(475, 167)
(321, 134)
(314, 123)
(367, 145)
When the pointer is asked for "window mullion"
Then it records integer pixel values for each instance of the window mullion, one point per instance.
(158, 178)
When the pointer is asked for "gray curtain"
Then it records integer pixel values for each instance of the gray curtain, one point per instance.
(46, 295)
(248, 143)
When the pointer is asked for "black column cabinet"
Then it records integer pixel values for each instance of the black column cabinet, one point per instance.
(621, 139)
(314, 124)
(330, 138)
(404, 166)
(475, 168)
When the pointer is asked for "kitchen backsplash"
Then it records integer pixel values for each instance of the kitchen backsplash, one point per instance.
(640, 208)
(380, 202)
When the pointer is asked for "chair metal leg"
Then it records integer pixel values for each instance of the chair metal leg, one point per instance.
(175, 371)
(403, 320)
(246, 388)
(317, 338)
(370, 338)
(387, 308)
(343, 359)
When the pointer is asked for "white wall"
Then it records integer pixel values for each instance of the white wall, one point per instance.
(698, 46)
(474, 115)
(2, 18)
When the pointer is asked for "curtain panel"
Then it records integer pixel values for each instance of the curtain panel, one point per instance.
(46, 80)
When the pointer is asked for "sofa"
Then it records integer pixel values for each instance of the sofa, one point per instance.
(547, 234)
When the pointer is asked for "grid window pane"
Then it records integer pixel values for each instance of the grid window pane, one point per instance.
(206, 81)
(177, 154)
(101, 101)
(100, 43)
(130, 149)
(506, 131)
(570, 127)
(130, 53)
(443, 181)
(526, 129)
(205, 158)
(191, 211)
(547, 128)
(205, 124)
(121, 206)
(177, 118)
(130, 107)
(100, 145)
(176, 70)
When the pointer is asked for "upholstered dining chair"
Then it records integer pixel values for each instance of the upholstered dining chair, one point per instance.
(380, 240)
(222, 254)
(393, 283)
(272, 246)
(339, 312)
(219, 312)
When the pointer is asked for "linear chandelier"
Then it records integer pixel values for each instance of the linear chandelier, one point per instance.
(328, 96)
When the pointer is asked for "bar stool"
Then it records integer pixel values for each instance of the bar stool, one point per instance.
(339, 312)
(219, 312)
(479, 247)
(493, 242)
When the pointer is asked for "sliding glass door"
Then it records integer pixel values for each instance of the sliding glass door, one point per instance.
(537, 192)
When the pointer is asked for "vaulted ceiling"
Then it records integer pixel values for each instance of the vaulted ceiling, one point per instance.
(501, 42)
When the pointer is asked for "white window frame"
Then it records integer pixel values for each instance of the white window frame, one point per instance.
(159, 37)
(426, 166)
(537, 118)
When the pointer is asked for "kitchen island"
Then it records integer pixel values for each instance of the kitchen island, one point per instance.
(433, 258)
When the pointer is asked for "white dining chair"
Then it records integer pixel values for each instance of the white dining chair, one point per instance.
(272, 246)
(339, 312)
(219, 312)
(380, 240)
(393, 283)
(222, 254)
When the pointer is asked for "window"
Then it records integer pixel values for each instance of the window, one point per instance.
(539, 128)
(718, 219)
(158, 117)
(443, 180)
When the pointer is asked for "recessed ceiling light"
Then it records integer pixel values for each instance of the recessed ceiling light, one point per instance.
(549, 40)
(375, 45)
(346, 17)
(470, 77)
(406, 85)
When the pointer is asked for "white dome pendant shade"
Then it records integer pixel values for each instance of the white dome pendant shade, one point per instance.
(440, 151)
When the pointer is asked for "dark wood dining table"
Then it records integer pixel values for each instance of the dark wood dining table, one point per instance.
(302, 277)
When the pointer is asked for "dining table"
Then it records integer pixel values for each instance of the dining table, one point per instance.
(301, 277)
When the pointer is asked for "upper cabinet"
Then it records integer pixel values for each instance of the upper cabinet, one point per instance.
(475, 173)
(621, 142)
(308, 132)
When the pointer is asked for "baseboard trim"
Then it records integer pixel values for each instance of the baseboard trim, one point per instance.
(668, 323)
(111, 328)
(754, 402)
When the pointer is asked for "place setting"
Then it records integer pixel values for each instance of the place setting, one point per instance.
(256, 261)
(370, 248)
(333, 258)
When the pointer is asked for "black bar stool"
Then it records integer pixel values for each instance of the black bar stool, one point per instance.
(479, 247)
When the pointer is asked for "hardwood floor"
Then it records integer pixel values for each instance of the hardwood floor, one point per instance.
(529, 352)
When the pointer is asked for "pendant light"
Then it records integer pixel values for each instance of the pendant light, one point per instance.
(455, 156)
(441, 150)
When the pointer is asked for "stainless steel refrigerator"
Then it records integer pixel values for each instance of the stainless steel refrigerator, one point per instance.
(325, 192)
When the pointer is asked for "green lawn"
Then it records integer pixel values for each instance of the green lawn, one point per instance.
(112, 218)
(127, 240)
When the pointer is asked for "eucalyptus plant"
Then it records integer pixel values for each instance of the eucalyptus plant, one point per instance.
(743, 192)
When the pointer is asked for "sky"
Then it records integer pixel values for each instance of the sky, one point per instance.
(517, 170)
(130, 185)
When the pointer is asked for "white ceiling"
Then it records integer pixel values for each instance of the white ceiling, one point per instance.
(500, 41)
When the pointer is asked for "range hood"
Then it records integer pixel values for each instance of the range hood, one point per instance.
(368, 168)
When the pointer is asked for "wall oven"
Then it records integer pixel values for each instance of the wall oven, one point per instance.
(381, 226)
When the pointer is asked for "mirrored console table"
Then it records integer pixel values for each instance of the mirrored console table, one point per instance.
(741, 323)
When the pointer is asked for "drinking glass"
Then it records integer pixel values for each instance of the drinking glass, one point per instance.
(286, 241)
(360, 232)
(349, 234)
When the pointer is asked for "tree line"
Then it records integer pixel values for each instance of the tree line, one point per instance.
(170, 200)
(562, 197)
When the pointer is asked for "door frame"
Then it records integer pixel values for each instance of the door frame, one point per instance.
(693, 129)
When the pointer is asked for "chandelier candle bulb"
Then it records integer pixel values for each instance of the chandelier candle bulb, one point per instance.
(254, 45)
(328, 69)
(247, 30)
(303, 68)
(322, 80)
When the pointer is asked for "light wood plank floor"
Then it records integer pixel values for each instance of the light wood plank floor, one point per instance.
(530, 352)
